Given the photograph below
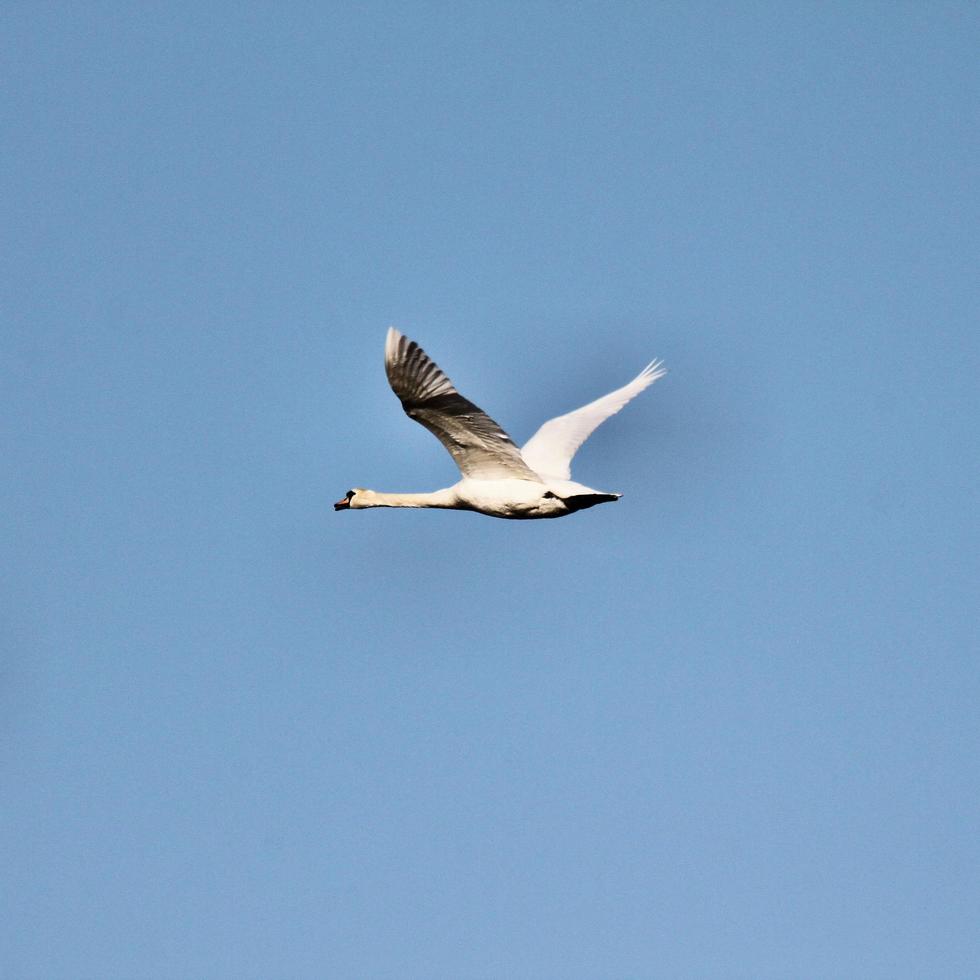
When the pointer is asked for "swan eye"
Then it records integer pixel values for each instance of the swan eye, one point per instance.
(548, 495)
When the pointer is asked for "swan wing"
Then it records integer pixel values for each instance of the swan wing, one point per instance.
(481, 449)
(550, 450)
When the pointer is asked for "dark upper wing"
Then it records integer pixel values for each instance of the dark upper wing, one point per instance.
(482, 449)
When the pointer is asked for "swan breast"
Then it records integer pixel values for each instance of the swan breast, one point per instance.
(515, 499)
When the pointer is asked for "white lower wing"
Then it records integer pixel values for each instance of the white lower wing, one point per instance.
(550, 450)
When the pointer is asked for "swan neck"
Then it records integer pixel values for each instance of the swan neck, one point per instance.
(437, 498)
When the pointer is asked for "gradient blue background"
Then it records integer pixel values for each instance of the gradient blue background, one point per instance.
(726, 727)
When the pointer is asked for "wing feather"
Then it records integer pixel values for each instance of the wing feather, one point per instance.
(550, 450)
(479, 446)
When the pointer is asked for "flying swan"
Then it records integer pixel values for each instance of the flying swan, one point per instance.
(499, 479)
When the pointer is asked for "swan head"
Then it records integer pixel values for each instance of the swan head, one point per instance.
(357, 499)
(348, 497)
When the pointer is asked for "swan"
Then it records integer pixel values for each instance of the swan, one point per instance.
(499, 479)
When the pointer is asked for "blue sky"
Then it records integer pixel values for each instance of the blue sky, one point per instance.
(726, 727)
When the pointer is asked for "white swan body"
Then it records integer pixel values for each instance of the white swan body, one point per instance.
(498, 479)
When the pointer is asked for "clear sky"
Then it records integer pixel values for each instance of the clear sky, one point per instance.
(725, 727)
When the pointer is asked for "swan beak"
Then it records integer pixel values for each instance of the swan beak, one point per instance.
(342, 504)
